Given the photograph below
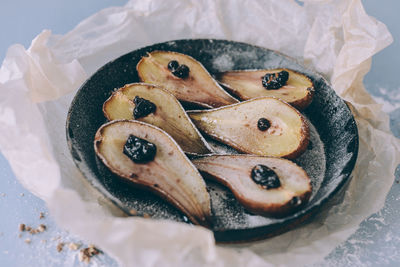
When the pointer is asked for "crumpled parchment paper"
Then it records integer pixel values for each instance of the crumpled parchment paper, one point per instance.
(336, 38)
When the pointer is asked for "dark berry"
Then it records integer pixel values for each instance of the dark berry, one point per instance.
(173, 65)
(265, 177)
(273, 81)
(295, 201)
(181, 72)
(263, 124)
(139, 150)
(143, 107)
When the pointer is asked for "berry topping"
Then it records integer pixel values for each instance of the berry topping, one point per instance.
(181, 72)
(265, 177)
(273, 81)
(263, 124)
(139, 150)
(143, 107)
(173, 65)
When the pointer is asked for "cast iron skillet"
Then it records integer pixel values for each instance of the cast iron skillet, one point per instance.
(329, 160)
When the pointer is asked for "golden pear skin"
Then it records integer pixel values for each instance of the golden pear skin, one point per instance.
(235, 172)
(247, 84)
(168, 114)
(197, 88)
(263, 126)
(168, 173)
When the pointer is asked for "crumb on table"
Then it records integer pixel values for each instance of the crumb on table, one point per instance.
(22, 227)
(86, 254)
(41, 228)
(60, 246)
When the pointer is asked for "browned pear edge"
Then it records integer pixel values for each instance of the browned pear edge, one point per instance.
(200, 104)
(126, 86)
(299, 103)
(205, 221)
(304, 130)
(253, 206)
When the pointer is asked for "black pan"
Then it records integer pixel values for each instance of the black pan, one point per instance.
(329, 159)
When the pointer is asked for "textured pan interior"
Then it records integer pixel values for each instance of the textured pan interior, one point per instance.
(329, 160)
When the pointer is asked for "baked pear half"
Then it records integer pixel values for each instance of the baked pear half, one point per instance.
(184, 77)
(263, 126)
(156, 106)
(291, 86)
(263, 185)
(148, 157)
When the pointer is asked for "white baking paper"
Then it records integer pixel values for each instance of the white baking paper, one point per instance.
(336, 38)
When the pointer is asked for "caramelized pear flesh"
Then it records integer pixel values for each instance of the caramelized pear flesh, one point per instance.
(238, 125)
(184, 77)
(235, 172)
(163, 111)
(168, 173)
(298, 90)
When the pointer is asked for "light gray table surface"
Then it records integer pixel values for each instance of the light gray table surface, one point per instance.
(376, 242)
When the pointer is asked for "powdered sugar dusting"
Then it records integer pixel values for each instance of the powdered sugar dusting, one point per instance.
(376, 242)
(313, 161)
(230, 57)
(223, 62)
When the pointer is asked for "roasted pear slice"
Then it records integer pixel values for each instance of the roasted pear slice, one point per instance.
(263, 185)
(296, 89)
(156, 106)
(148, 157)
(184, 77)
(263, 126)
